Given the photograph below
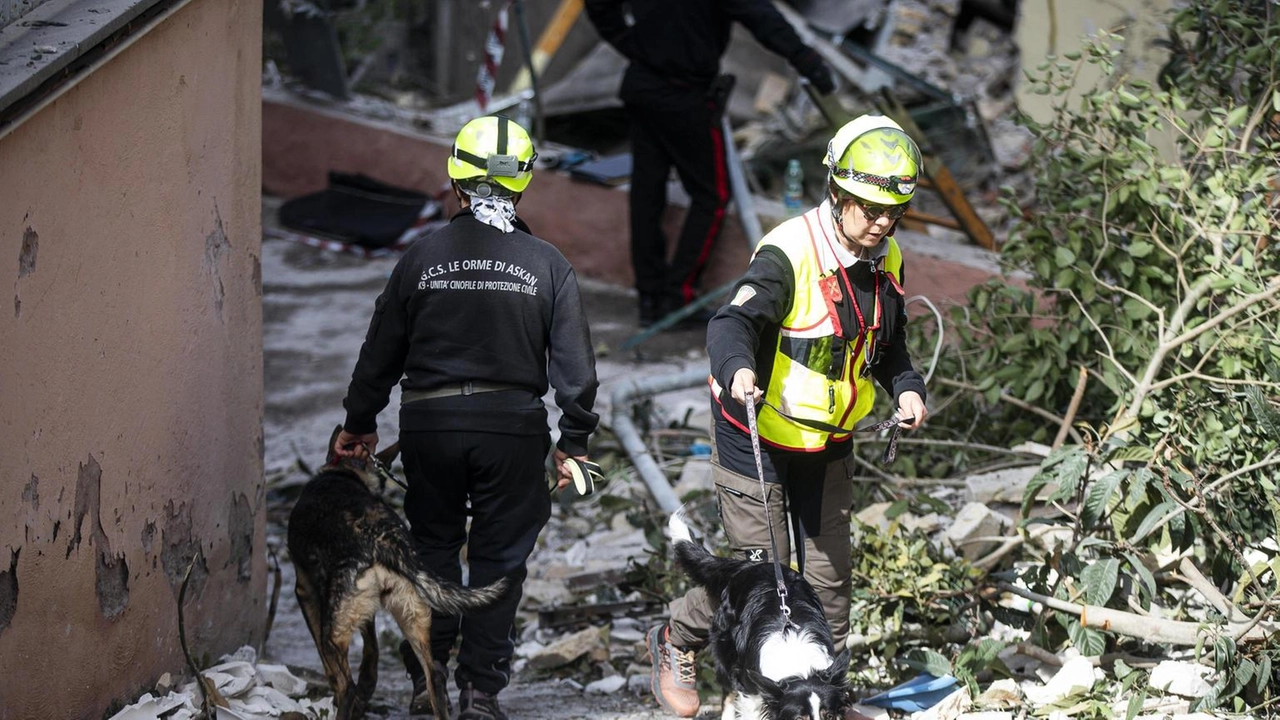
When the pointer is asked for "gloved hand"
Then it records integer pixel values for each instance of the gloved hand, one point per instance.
(815, 70)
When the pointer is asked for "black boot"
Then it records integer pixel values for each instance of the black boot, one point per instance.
(476, 705)
(421, 702)
(651, 309)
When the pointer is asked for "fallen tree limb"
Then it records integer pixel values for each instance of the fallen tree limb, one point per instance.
(1196, 579)
(1157, 630)
(1023, 405)
(1007, 546)
(1076, 397)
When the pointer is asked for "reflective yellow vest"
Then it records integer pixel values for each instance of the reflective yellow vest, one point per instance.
(816, 375)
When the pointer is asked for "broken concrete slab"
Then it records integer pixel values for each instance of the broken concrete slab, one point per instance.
(606, 686)
(1002, 486)
(569, 648)
(1000, 694)
(974, 521)
(1076, 676)
(1185, 679)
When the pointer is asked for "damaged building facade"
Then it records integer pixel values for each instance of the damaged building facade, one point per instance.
(131, 367)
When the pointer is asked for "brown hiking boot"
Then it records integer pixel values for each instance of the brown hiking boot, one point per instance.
(420, 704)
(476, 705)
(675, 673)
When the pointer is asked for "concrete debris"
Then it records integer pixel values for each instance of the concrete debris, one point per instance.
(606, 686)
(588, 642)
(638, 684)
(696, 475)
(1002, 486)
(1075, 677)
(1000, 694)
(1186, 679)
(252, 692)
(973, 524)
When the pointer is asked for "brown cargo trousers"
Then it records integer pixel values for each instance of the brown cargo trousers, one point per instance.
(827, 559)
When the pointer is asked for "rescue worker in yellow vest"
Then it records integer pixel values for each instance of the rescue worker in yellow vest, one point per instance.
(819, 315)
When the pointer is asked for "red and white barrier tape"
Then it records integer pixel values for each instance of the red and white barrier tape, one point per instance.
(494, 46)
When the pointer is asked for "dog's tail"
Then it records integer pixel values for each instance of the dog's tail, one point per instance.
(704, 569)
(449, 598)
(396, 553)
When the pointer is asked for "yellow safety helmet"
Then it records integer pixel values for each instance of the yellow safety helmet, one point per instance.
(874, 160)
(492, 156)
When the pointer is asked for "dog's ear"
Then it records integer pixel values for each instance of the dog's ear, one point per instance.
(837, 673)
(768, 688)
(330, 457)
(388, 456)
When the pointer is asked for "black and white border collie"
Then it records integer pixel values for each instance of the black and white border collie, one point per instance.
(775, 668)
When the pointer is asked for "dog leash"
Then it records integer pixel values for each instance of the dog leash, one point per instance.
(890, 454)
(382, 470)
(764, 496)
(890, 451)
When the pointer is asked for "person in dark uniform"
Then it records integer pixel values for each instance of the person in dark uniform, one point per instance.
(475, 321)
(674, 99)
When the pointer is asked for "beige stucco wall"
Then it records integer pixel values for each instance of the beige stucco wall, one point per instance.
(131, 369)
(1056, 27)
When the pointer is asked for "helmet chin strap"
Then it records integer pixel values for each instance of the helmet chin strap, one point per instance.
(837, 219)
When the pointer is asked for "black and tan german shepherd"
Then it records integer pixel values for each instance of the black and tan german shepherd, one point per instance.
(353, 554)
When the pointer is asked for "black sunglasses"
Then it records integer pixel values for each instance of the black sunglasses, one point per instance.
(873, 211)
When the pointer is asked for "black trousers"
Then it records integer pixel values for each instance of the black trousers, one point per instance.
(680, 128)
(503, 478)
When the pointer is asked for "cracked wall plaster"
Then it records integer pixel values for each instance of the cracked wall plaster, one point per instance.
(26, 264)
(216, 247)
(9, 591)
(240, 527)
(179, 550)
(31, 493)
(27, 255)
(111, 571)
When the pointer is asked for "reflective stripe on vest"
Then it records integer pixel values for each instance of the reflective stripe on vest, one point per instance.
(816, 374)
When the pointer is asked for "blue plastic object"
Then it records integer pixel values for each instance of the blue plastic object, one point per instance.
(919, 693)
(699, 448)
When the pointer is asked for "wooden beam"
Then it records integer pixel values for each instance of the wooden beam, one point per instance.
(549, 42)
(932, 220)
(944, 184)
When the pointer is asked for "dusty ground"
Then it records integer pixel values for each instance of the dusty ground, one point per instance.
(316, 307)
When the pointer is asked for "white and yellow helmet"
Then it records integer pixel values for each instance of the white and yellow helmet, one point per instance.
(872, 159)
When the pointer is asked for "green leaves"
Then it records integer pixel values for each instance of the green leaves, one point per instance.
(1099, 580)
(1090, 642)
(929, 661)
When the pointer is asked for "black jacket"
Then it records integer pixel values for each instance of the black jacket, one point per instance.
(469, 302)
(682, 41)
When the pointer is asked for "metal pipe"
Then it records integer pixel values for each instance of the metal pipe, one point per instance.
(539, 120)
(620, 400)
(738, 183)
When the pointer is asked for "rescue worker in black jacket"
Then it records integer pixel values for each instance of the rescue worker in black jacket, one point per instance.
(818, 320)
(474, 322)
(674, 101)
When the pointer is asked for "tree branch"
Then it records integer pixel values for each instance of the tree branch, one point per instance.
(1143, 388)
(1158, 630)
(1011, 400)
